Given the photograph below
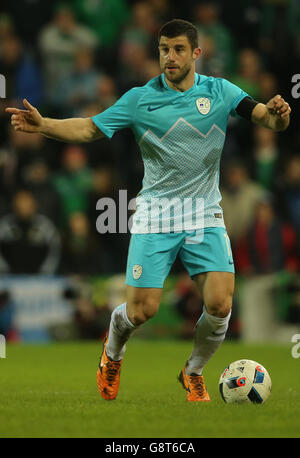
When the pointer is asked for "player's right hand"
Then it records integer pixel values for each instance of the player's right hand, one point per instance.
(29, 120)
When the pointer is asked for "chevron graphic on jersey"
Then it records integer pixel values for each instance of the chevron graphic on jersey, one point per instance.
(179, 120)
(183, 163)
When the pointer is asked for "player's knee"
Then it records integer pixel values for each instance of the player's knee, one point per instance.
(219, 306)
(141, 311)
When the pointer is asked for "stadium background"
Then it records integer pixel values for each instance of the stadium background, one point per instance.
(62, 279)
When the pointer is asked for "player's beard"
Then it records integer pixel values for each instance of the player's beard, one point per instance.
(179, 76)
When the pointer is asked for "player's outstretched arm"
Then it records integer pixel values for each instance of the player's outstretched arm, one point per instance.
(73, 130)
(275, 114)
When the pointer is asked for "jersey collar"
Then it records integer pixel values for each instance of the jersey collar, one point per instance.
(166, 86)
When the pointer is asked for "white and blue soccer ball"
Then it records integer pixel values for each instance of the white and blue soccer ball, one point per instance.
(245, 381)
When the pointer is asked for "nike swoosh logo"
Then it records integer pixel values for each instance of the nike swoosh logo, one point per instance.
(156, 108)
(230, 262)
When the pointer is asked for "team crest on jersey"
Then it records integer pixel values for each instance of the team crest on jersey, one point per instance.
(203, 105)
(137, 271)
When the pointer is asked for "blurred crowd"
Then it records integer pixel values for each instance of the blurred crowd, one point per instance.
(76, 58)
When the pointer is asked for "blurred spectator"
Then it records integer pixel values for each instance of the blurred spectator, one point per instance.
(268, 86)
(23, 79)
(36, 176)
(137, 66)
(152, 69)
(114, 245)
(138, 46)
(28, 17)
(133, 58)
(106, 93)
(104, 184)
(7, 315)
(85, 252)
(80, 250)
(279, 30)
(92, 320)
(269, 245)
(8, 164)
(59, 42)
(17, 152)
(6, 30)
(78, 88)
(143, 27)
(239, 199)
(243, 20)
(215, 39)
(248, 73)
(288, 192)
(7, 27)
(164, 10)
(188, 305)
(266, 154)
(73, 182)
(105, 19)
(265, 255)
(29, 242)
(104, 96)
(210, 63)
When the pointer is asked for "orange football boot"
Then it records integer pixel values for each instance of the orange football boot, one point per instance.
(108, 375)
(194, 386)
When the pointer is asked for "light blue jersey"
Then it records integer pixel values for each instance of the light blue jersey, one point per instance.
(181, 137)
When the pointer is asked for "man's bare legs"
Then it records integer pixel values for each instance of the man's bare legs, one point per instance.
(142, 304)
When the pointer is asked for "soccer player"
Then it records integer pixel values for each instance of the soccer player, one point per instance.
(179, 120)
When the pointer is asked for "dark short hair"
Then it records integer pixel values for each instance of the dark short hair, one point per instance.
(178, 27)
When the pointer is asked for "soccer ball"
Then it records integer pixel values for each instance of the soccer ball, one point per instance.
(245, 381)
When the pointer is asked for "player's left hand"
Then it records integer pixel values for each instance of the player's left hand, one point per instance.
(278, 106)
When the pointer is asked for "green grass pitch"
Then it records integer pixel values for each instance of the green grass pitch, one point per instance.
(50, 391)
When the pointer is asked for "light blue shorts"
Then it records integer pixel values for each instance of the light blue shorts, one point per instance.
(151, 256)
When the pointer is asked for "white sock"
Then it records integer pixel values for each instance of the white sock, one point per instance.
(209, 334)
(120, 329)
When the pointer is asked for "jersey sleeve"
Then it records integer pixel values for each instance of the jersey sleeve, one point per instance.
(232, 95)
(120, 115)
